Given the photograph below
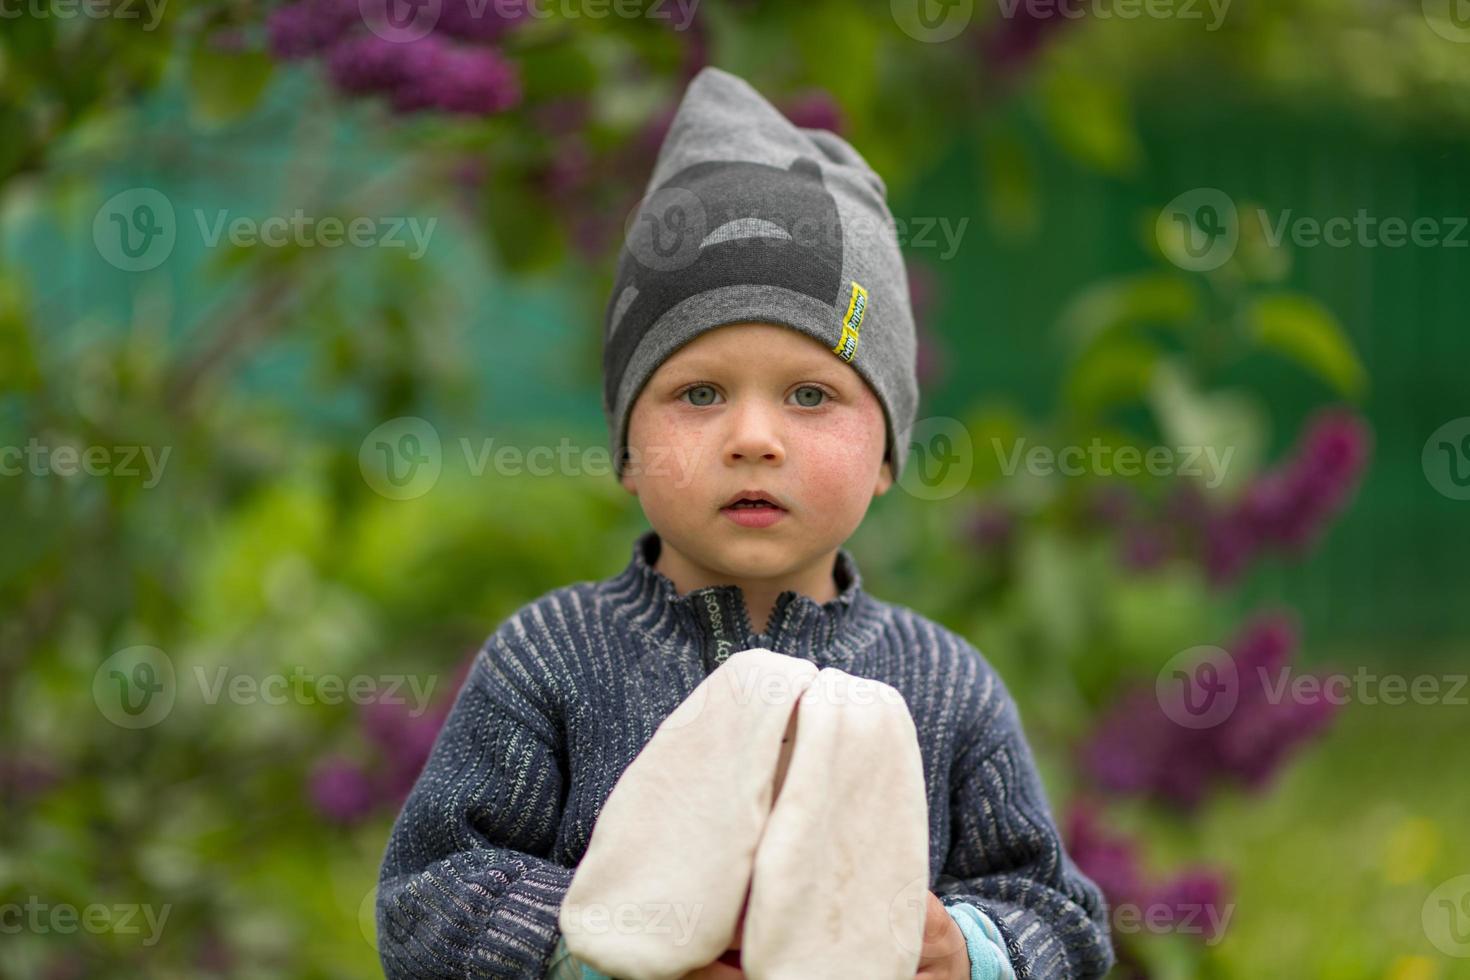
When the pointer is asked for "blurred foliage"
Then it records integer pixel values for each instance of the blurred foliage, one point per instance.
(265, 551)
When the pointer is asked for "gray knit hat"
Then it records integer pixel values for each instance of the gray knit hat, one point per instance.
(748, 217)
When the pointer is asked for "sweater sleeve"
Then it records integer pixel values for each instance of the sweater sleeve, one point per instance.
(1006, 856)
(466, 888)
(983, 942)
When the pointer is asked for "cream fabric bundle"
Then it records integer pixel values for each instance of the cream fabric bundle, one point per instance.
(828, 832)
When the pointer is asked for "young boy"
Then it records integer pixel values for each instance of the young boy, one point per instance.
(759, 346)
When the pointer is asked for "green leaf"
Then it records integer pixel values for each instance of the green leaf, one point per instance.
(224, 85)
(1221, 434)
(1009, 182)
(1117, 304)
(1110, 374)
(1090, 117)
(1305, 331)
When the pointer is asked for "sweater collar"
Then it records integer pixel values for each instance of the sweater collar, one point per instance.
(714, 620)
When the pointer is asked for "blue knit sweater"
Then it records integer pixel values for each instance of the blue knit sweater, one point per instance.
(568, 690)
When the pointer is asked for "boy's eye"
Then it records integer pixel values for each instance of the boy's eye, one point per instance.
(698, 392)
(808, 396)
(815, 396)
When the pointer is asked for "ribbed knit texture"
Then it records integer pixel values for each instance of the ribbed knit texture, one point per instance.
(568, 690)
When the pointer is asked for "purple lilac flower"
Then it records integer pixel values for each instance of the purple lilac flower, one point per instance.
(404, 740)
(426, 73)
(1193, 900)
(24, 775)
(341, 791)
(562, 116)
(1112, 861)
(1289, 506)
(366, 64)
(1110, 504)
(309, 26)
(1014, 40)
(1137, 749)
(478, 21)
(456, 78)
(992, 526)
(1145, 546)
(814, 109)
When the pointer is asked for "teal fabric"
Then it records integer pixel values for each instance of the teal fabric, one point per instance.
(565, 966)
(988, 959)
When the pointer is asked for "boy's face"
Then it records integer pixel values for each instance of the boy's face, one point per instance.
(756, 406)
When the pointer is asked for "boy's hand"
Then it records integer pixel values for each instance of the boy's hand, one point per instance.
(944, 955)
(715, 971)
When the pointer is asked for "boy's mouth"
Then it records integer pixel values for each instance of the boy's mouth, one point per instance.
(751, 499)
(754, 509)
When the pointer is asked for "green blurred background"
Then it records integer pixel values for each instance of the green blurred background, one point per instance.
(1107, 209)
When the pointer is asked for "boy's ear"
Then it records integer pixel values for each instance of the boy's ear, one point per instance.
(885, 480)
